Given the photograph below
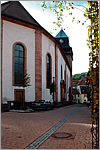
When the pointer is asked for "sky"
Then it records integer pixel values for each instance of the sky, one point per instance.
(77, 33)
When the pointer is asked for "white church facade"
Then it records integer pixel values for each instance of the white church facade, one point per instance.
(27, 47)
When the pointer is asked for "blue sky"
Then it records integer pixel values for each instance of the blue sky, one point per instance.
(37, 3)
(79, 2)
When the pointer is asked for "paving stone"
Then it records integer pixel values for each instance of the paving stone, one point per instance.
(18, 130)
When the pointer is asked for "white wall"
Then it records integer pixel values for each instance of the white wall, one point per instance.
(47, 47)
(16, 33)
(62, 62)
(68, 82)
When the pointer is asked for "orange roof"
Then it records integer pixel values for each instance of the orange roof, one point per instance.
(79, 82)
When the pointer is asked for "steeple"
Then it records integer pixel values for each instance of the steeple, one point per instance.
(64, 41)
(61, 34)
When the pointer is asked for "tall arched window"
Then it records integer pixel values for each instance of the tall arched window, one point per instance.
(19, 56)
(49, 77)
(65, 74)
(61, 73)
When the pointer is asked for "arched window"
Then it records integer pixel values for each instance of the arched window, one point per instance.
(49, 76)
(65, 74)
(61, 73)
(19, 63)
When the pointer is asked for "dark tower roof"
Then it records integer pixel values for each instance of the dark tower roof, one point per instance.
(63, 39)
(15, 10)
(61, 34)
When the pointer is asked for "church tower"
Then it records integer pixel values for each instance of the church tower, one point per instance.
(63, 39)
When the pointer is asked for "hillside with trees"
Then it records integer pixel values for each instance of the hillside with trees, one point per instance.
(80, 76)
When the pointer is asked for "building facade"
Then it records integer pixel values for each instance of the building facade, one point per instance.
(80, 91)
(27, 48)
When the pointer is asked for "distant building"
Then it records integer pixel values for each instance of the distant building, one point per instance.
(26, 47)
(80, 90)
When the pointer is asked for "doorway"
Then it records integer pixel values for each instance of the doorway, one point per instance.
(20, 95)
(62, 92)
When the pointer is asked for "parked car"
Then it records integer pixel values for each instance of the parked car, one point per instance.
(42, 104)
(88, 103)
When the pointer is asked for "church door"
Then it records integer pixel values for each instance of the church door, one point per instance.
(20, 96)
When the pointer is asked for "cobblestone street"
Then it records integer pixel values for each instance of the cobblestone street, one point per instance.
(18, 130)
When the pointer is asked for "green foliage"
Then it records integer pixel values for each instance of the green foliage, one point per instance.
(80, 76)
(58, 8)
(93, 73)
(24, 77)
(26, 80)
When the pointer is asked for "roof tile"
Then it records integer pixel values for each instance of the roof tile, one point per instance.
(14, 9)
(61, 34)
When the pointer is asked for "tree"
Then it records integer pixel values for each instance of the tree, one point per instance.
(80, 76)
(26, 79)
(58, 7)
(93, 74)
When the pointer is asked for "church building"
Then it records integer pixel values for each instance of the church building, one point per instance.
(27, 48)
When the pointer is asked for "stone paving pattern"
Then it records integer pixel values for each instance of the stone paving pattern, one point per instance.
(79, 126)
(18, 130)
